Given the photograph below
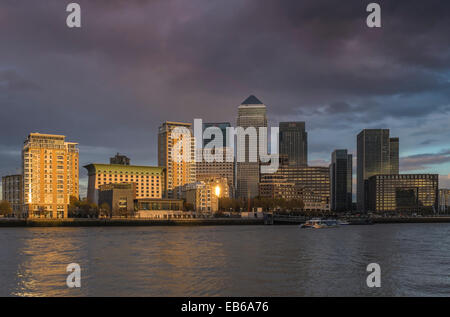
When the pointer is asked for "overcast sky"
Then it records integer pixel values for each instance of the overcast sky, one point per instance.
(135, 64)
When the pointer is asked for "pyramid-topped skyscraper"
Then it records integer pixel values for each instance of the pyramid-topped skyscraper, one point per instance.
(251, 113)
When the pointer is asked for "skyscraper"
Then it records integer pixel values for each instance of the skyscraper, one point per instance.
(394, 155)
(179, 171)
(50, 175)
(377, 153)
(251, 113)
(293, 142)
(341, 180)
(220, 125)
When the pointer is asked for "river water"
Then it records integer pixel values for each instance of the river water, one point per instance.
(226, 260)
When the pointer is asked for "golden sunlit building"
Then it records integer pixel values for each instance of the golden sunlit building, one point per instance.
(181, 170)
(148, 181)
(204, 195)
(50, 175)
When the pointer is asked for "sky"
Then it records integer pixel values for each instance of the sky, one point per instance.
(134, 64)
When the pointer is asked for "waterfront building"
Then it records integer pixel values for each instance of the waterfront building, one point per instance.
(341, 169)
(179, 171)
(119, 159)
(50, 175)
(308, 183)
(403, 193)
(204, 195)
(251, 113)
(119, 198)
(12, 192)
(444, 200)
(223, 128)
(293, 142)
(217, 169)
(148, 181)
(377, 153)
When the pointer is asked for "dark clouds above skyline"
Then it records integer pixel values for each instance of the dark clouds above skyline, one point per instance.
(134, 64)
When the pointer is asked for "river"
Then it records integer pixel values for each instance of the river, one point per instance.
(226, 260)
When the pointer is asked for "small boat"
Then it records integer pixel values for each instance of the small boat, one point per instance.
(319, 224)
(343, 222)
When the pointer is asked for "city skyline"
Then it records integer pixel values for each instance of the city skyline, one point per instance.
(336, 76)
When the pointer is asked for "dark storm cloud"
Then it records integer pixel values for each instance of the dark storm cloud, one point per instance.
(134, 64)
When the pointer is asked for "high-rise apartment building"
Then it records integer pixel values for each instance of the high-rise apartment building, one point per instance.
(180, 170)
(251, 113)
(147, 181)
(377, 153)
(341, 180)
(293, 142)
(50, 175)
(12, 190)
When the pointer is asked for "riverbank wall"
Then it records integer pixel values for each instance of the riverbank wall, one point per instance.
(77, 222)
(81, 222)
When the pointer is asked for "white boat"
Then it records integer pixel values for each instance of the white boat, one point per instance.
(343, 222)
(320, 224)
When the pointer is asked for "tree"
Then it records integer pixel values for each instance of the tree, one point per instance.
(5, 208)
(105, 210)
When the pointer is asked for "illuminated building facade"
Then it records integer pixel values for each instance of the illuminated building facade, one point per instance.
(407, 193)
(204, 195)
(181, 170)
(50, 175)
(148, 181)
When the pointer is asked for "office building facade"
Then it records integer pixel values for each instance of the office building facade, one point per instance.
(50, 175)
(12, 192)
(341, 169)
(444, 200)
(251, 113)
(293, 143)
(308, 183)
(403, 193)
(377, 153)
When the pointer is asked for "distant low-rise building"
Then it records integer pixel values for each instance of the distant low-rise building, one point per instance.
(159, 208)
(403, 193)
(119, 159)
(119, 197)
(204, 195)
(444, 200)
(148, 181)
(12, 192)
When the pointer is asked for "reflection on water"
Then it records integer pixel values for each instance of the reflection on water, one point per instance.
(226, 260)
